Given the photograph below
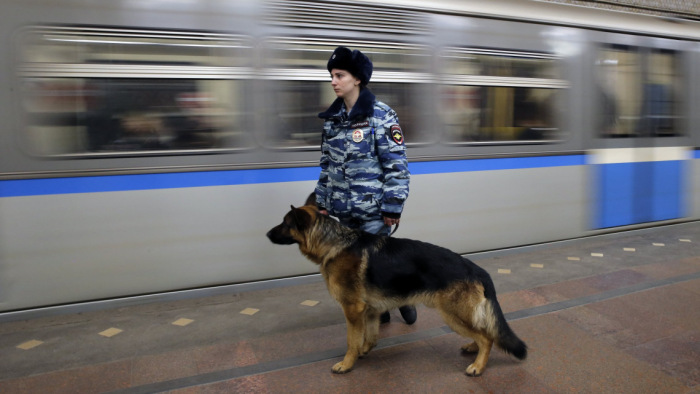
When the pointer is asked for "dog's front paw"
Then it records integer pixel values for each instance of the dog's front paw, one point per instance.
(341, 368)
(473, 370)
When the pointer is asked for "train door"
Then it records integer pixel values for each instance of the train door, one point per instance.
(639, 164)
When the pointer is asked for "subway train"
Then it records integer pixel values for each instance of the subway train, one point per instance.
(147, 146)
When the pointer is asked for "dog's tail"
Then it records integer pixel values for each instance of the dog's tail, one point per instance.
(506, 339)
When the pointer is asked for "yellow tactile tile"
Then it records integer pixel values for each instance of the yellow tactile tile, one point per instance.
(574, 258)
(629, 249)
(182, 322)
(310, 303)
(597, 255)
(29, 344)
(249, 311)
(537, 265)
(110, 332)
(503, 271)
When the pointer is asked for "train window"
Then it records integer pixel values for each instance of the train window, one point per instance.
(637, 91)
(401, 98)
(498, 114)
(102, 91)
(297, 73)
(491, 96)
(293, 115)
(660, 93)
(298, 124)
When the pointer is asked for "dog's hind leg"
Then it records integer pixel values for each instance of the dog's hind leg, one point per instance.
(482, 344)
(468, 313)
(371, 330)
(355, 319)
(470, 348)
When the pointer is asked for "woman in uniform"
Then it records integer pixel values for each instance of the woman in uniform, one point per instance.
(364, 172)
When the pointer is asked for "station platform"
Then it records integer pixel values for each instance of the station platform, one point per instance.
(617, 313)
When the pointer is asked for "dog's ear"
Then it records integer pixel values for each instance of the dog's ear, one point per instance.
(311, 200)
(302, 219)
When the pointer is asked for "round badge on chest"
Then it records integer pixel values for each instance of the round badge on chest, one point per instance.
(358, 135)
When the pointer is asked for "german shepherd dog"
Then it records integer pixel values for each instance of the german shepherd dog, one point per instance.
(369, 274)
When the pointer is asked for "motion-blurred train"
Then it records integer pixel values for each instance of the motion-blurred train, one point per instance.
(147, 146)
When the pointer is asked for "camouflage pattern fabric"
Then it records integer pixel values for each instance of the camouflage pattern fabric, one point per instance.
(364, 171)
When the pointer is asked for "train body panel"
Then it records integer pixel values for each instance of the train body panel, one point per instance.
(81, 246)
(493, 209)
(147, 147)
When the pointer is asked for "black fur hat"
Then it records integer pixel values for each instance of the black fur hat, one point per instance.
(355, 62)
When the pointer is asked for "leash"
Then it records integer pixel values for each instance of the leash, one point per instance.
(395, 228)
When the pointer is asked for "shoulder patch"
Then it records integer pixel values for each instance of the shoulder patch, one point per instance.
(396, 134)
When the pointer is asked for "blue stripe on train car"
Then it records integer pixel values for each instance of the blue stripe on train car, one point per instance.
(114, 183)
(511, 163)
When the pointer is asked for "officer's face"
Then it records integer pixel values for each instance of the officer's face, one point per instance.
(343, 82)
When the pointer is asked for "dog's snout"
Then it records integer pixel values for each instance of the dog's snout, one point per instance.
(278, 236)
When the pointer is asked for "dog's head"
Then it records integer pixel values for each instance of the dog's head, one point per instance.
(294, 226)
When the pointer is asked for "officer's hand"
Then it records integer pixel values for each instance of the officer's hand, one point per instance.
(323, 212)
(391, 222)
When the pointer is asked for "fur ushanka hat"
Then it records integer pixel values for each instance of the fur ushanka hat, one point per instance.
(355, 62)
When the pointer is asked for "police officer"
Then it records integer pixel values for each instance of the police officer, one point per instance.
(364, 172)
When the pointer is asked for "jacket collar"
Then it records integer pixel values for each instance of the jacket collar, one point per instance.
(364, 107)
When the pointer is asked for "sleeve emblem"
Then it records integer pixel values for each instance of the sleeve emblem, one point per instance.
(396, 134)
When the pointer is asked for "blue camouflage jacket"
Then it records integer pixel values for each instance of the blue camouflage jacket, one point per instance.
(364, 171)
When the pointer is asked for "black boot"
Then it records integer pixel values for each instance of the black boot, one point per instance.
(384, 317)
(408, 312)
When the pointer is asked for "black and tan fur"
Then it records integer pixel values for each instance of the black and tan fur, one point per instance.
(369, 274)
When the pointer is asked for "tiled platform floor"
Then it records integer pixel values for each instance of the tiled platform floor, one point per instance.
(612, 314)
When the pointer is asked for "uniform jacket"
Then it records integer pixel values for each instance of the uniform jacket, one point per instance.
(364, 171)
